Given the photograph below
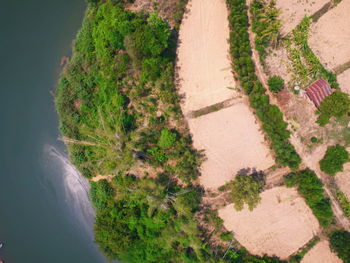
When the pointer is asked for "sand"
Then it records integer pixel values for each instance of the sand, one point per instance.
(344, 81)
(330, 36)
(293, 11)
(321, 253)
(230, 137)
(232, 141)
(203, 61)
(280, 225)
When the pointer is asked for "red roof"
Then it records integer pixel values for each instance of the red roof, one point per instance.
(318, 90)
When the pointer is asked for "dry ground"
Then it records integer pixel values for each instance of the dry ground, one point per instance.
(293, 11)
(203, 61)
(330, 36)
(230, 137)
(343, 179)
(280, 225)
(232, 141)
(344, 81)
(321, 253)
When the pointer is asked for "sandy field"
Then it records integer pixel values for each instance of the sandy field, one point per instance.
(232, 141)
(321, 253)
(203, 60)
(343, 179)
(344, 81)
(280, 225)
(293, 11)
(329, 42)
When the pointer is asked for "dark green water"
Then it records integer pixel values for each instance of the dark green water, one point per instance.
(44, 213)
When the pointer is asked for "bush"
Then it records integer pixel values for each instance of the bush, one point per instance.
(335, 105)
(246, 189)
(340, 244)
(276, 84)
(167, 139)
(100, 193)
(334, 159)
(314, 140)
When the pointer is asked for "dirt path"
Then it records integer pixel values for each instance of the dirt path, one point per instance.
(308, 160)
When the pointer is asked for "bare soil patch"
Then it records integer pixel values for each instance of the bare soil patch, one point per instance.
(321, 253)
(343, 179)
(330, 36)
(280, 225)
(204, 66)
(344, 81)
(293, 11)
(232, 142)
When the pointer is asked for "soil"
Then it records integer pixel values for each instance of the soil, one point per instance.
(321, 253)
(293, 11)
(329, 42)
(278, 226)
(344, 81)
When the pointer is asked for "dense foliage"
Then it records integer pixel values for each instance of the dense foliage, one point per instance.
(243, 65)
(334, 159)
(340, 244)
(266, 25)
(305, 63)
(311, 188)
(245, 189)
(276, 83)
(344, 202)
(336, 105)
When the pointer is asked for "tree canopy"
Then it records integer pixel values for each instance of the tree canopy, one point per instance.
(334, 159)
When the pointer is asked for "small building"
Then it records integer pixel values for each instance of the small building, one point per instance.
(318, 91)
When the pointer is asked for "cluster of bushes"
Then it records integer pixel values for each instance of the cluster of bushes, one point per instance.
(243, 65)
(344, 202)
(276, 84)
(340, 244)
(305, 61)
(336, 105)
(266, 25)
(311, 188)
(245, 189)
(334, 159)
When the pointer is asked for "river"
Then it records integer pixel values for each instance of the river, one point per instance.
(45, 216)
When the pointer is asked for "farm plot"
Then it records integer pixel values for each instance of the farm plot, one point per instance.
(329, 42)
(293, 11)
(230, 136)
(232, 141)
(344, 81)
(321, 253)
(279, 225)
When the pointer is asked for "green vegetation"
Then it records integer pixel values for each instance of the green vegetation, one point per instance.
(243, 65)
(100, 193)
(340, 244)
(296, 258)
(276, 84)
(334, 159)
(167, 139)
(311, 188)
(305, 63)
(336, 105)
(245, 189)
(344, 202)
(314, 140)
(266, 25)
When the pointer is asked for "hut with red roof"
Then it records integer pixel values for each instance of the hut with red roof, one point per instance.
(318, 91)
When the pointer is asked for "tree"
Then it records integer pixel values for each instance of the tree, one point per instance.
(335, 105)
(276, 84)
(340, 244)
(334, 159)
(246, 189)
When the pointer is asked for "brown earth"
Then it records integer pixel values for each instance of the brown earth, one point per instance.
(344, 81)
(330, 36)
(278, 226)
(321, 253)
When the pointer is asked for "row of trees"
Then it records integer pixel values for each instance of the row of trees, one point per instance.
(311, 188)
(243, 65)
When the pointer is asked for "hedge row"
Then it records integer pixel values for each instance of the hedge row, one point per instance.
(243, 65)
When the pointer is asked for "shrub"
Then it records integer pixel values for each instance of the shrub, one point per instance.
(276, 84)
(227, 236)
(334, 159)
(335, 105)
(314, 140)
(246, 189)
(340, 244)
(100, 193)
(167, 139)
